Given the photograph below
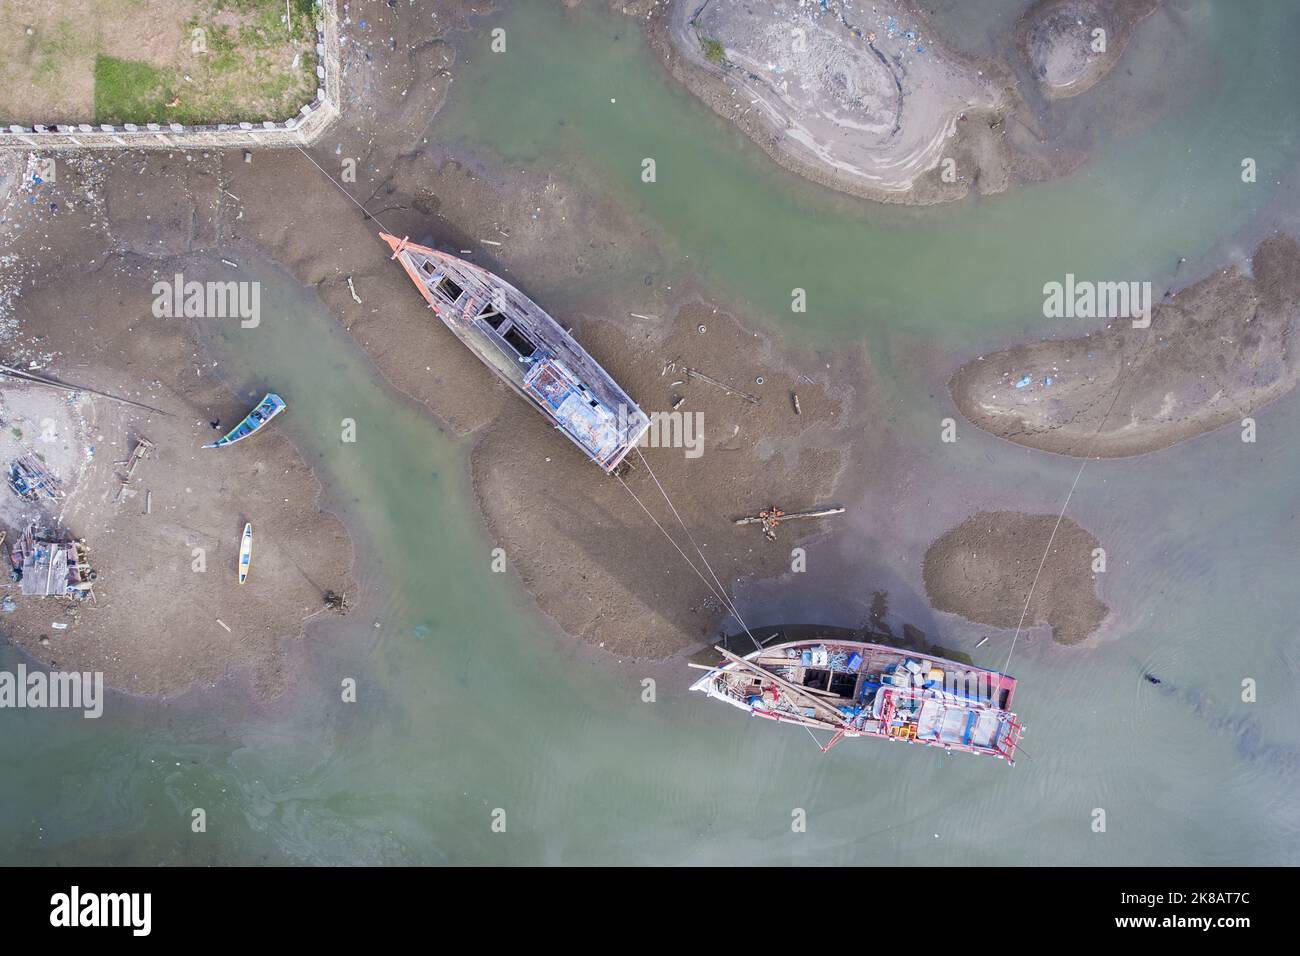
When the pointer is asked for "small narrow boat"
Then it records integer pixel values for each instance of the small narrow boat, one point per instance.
(528, 350)
(856, 689)
(246, 552)
(266, 409)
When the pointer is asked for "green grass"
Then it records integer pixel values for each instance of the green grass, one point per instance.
(129, 91)
(241, 65)
(713, 51)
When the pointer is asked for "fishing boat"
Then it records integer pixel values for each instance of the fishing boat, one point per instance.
(528, 350)
(255, 420)
(856, 689)
(246, 552)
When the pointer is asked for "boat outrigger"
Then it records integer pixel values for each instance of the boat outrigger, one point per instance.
(528, 350)
(266, 409)
(855, 689)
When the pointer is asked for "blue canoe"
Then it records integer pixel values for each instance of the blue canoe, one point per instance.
(266, 409)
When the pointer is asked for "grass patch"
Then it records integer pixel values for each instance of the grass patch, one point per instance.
(713, 51)
(129, 91)
(98, 61)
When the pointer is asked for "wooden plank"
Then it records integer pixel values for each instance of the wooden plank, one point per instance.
(782, 683)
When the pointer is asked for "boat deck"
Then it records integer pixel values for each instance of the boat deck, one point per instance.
(861, 689)
(529, 350)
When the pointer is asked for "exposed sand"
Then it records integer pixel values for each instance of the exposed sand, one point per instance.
(1214, 353)
(983, 569)
(868, 98)
(593, 561)
(83, 315)
(867, 101)
(1071, 44)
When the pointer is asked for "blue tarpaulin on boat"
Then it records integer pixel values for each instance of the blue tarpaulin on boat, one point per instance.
(575, 410)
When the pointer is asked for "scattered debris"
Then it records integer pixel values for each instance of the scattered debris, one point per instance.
(694, 373)
(353, 289)
(47, 563)
(773, 516)
(138, 453)
(31, 480)
(795, 399)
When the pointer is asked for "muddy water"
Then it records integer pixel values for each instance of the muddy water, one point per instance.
(467, 705)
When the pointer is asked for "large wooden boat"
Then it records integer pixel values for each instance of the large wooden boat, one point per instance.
(528, 350)
(855, 689)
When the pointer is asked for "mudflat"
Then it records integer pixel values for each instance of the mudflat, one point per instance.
(1213, 353)
(984, 569)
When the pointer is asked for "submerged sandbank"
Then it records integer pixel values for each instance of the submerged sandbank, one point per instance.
(1070, 45)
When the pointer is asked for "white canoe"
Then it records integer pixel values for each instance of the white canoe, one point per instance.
(246, 552)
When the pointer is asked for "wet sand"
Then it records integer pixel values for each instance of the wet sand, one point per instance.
(1214, 353)
(164, 546)
(579, 543)
(869, 102)
(983, 569)
(1070, 45)
(878, 104)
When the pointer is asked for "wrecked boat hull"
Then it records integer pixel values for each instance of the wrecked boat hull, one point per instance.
(857, 689)
(528, 350)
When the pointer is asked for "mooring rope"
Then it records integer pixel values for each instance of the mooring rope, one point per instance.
(672, 541)
(1119, 388)
(369, 214)
(720, 592)
(727, 601)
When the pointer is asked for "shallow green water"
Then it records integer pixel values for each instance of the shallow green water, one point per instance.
(467, 705)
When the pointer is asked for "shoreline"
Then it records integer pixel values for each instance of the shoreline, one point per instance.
(1214, 353)
(1060, 53)
(969, 144)
(979, 571)
(595, 568)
